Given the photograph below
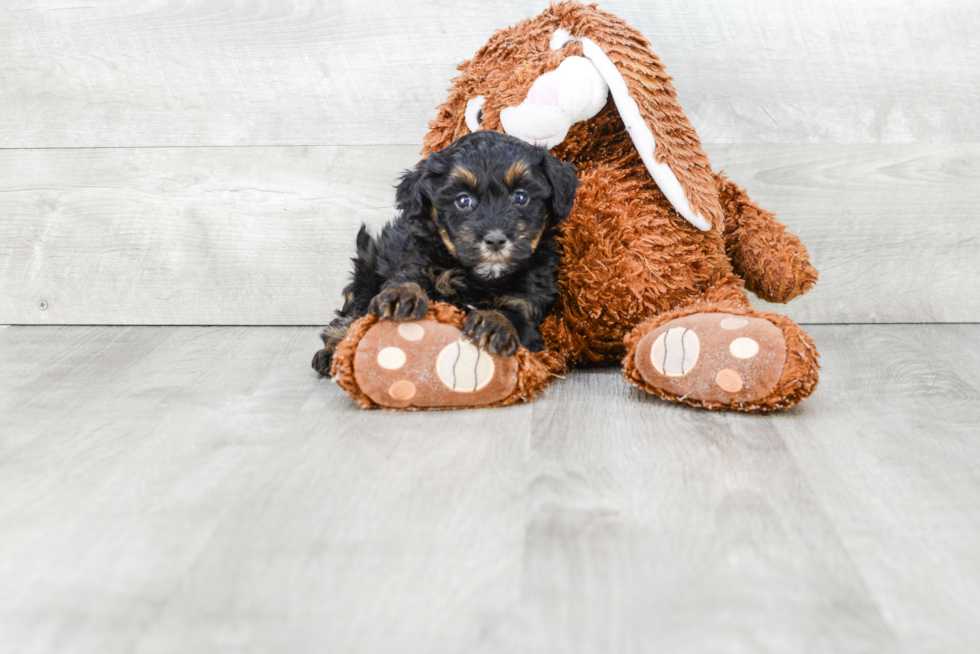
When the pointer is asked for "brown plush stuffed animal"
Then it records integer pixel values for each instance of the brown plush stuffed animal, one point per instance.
(656, 256)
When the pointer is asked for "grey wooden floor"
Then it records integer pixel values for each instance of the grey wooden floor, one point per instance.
(192, 489)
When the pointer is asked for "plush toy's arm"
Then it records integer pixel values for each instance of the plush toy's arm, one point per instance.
(773, 262)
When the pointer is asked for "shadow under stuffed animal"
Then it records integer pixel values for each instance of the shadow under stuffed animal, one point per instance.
(657, 253)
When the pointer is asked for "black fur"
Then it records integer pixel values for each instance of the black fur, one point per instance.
(496, 257)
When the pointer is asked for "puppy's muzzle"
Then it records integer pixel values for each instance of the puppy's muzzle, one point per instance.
(495, 241)
(496, 252)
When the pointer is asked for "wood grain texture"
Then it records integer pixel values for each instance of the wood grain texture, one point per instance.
(264, 235)
(187, 235)
(892, 451)
(204, 484)
(656, 528)
(893, 230)
(199, 489)
(97, 73)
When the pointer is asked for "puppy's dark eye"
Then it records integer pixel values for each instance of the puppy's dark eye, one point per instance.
(521, 198)
(479, 116)
(464, 202)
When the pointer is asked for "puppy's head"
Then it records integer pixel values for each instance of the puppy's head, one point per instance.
(490, 198)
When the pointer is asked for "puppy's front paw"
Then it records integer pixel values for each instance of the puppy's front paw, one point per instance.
(493, 332)
(400, 303)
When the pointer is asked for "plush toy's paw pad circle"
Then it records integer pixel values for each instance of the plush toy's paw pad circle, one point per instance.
(464, 368)
(428, 364)
(713, 357)
(675, 352)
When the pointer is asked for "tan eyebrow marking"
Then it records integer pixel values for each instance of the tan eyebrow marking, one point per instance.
(517, 169)
(465, 175)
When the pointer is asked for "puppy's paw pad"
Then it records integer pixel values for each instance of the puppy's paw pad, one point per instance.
(713, 357)
(428, 364)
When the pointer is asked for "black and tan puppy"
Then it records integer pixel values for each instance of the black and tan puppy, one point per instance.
(476, 230)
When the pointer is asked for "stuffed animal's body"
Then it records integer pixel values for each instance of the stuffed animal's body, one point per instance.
(658, 250)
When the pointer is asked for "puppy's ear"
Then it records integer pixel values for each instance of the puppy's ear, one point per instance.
(413, 196)
(564, 183)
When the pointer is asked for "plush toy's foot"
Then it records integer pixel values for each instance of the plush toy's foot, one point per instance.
(740, 360)
(430, 364)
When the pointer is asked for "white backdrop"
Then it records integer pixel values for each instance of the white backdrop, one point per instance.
(210, 162)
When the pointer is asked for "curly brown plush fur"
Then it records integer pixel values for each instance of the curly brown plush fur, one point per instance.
(630, 261)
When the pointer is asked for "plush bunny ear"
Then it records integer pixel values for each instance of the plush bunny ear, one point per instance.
(647, 103)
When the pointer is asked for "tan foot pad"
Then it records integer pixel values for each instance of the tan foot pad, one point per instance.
(429, 364)
(713, 357)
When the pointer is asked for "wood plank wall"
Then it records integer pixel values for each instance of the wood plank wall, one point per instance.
(209, 162)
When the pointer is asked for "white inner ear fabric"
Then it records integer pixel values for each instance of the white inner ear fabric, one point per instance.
(473, 106)
(639, 131)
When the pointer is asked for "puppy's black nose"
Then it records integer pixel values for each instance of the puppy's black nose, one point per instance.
(495, 241)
